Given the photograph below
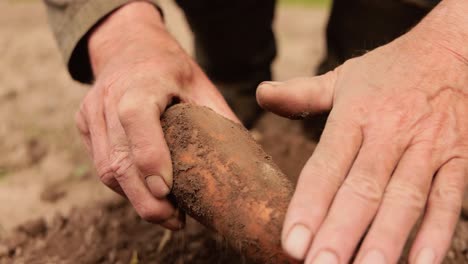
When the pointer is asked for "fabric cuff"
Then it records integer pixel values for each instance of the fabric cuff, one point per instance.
(73, 32)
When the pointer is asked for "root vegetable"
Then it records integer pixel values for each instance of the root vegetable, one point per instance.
(225, 180)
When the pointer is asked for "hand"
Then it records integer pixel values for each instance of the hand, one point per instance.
(140, 70)
(395, 147)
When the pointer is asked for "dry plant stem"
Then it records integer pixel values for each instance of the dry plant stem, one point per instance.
(225, 180)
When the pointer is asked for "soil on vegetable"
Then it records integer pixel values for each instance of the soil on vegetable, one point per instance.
(224, 179)
(52, 207)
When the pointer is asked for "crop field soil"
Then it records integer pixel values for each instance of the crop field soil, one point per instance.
(53, 209)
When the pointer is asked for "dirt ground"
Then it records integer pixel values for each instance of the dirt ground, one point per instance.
(52, 207)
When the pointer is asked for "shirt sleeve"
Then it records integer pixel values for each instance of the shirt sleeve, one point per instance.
(71, 21)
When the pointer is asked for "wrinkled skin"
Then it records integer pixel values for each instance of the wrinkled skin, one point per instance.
(394, 148)
(140, 69)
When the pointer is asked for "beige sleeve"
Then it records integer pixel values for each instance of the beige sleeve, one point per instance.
(71, 21)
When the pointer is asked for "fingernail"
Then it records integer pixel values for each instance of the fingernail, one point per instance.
(297, 242)
(270, 83)
(157, 186)
(425, 256)
(374, 257)
(325, 257)
(173, 224)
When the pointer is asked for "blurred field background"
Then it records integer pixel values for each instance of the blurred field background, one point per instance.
(43, 166)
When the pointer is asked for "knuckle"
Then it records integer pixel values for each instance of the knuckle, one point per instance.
(437, 122)
(320, 160)
(333, 178)
(114, 168)
(408, 195)
(447, 198)
(120, 163)
(107, 87)
(127, 109)
(103, 170)
(365, 188)
(147, 157)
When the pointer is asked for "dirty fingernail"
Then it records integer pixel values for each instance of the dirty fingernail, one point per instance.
(157, 186)
(325, 257)
(173, 224)
(374, 257)
(425, 256)
(297, 242)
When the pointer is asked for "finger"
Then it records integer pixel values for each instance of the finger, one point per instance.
(442, 213)
(357, 200)
(176, 222)
(298, 98)
(319, 180)
(100, 162)
(147, 206)
(403, 202)
(140, 119)
(93, 109)
(129, 176)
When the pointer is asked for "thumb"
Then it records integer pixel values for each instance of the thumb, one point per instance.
(298, 98)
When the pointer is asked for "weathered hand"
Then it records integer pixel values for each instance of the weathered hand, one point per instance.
(395, 147)
(140, 70)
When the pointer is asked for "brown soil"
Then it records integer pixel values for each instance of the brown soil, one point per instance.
(53, 209)
(112, 233)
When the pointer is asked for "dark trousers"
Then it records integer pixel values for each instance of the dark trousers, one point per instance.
(235, 44)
